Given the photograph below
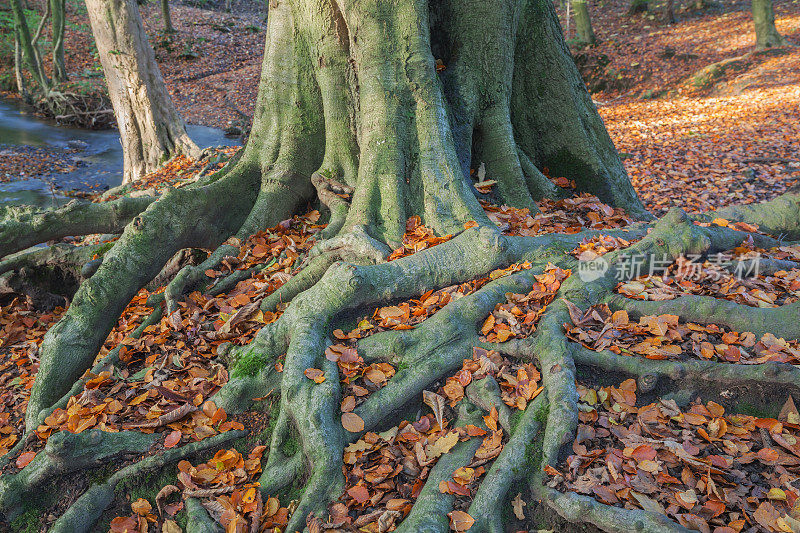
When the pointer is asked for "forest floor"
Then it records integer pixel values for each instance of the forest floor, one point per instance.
(698, 142)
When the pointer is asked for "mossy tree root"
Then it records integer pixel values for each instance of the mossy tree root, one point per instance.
(23, 227)
(308, 413)
(780, 321)
(350, 91)
(49, 276)
(180, 219)
(83, 514)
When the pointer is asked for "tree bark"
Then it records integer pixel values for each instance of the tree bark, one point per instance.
(767, 35)
(670, 11)
(378, 111)
(151, 130)
(583, 23)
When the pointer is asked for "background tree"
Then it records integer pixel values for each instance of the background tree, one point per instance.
(638, 6)
(583, 22)
(165, 13)
(353, 115)
(28, 54)
(767, 35)
(57, 8)
(149, 125)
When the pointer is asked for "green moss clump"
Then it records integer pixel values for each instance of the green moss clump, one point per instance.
(249, 364)
(27, 522)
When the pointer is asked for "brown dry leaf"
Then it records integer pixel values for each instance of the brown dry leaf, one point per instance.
(315, 374)
(789, 412)
(141, 507)
(163, 494)
(460, 521)
(173, 439)
(352, 422)
(436, 403)
(517, 504)
(24, 459)
(170, 526)
(442, 445)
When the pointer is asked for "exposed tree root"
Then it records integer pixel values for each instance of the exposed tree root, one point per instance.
(50, 276)
(82, 515)
(327, 289)
(22, 227)
(780, 321)
(66, 453)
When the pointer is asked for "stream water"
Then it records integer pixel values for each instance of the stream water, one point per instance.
(98, 159)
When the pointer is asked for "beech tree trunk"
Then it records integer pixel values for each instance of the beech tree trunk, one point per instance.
(350, 91)
(767, 35)
(151, 130)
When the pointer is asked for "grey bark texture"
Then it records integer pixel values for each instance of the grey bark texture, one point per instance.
(151, 130)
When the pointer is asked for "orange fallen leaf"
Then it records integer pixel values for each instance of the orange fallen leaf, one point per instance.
(352, 422)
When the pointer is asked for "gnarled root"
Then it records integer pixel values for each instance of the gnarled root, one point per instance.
(22, 227)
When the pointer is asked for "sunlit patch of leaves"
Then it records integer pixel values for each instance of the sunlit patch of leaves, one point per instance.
(417, 237)
(703, 468)
(518, 317)
(22, 329)
(164, 379)
(177, 172)
(669, 337)
(570, 215)
(593, 247)
(385, 472)
(227, 487)
(711, 278)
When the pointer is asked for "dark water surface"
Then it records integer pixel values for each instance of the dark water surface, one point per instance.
(99, 159)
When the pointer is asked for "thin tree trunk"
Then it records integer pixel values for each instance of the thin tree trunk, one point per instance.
(583, 23)
(638, 6)
(58, 13)
(670, 12)
(167, 17)
(28, 47)
(151, 130)
(767, 35)
(23, 91)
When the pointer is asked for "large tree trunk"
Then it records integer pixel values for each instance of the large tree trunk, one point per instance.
(151, 130)
(353, 115)
(350, 90)
(767, 35)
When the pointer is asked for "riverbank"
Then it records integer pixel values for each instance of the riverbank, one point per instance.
(41, 162)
